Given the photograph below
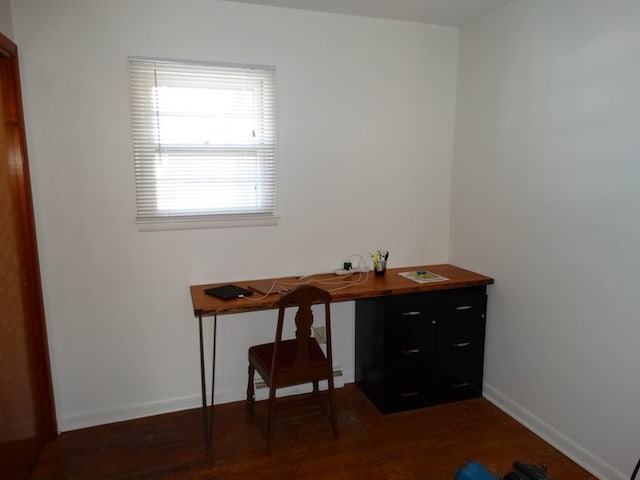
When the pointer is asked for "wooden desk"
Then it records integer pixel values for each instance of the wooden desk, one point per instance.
(342, 288)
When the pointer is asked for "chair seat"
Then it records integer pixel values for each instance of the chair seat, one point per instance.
(263, 355)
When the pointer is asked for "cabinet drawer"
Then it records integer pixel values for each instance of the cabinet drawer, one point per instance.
(407, 391)
(454, 387)
(462, 350)
(410, 366)
(397, 400)
(458, 310)
(409, 328)
(461, 326)
(461, 332)
(421, 309)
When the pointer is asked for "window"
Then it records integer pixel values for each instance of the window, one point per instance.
(204, 141)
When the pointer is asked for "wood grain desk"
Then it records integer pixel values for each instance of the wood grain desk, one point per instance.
(342, 288)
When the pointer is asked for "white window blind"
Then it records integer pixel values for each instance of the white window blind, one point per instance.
(204, 140)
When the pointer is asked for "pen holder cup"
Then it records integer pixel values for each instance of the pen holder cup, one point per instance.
(380, 266)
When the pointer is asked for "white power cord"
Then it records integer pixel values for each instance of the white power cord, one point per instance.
(361, 267)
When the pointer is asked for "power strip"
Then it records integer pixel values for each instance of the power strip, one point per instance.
(349, 266)
(342, 271)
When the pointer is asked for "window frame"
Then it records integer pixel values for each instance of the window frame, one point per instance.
(255, 158)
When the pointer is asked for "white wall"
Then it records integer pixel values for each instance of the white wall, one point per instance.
(365, 131)
(546, 200)
(6, 25)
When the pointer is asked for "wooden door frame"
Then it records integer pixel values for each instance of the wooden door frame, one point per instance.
(47, 427)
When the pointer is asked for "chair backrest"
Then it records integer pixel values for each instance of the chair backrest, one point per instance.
(304, 297)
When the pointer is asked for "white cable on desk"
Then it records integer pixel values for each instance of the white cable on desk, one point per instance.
(342, 283)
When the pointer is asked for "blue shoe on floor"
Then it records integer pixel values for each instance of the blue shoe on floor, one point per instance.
(475, 471)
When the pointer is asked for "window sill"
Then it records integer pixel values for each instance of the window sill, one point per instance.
(207, 223)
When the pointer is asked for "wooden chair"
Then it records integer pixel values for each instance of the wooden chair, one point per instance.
(295, 361)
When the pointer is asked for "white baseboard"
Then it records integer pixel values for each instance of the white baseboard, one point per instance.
(130, 412)
(564, 444)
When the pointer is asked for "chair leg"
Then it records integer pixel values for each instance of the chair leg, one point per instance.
(270, 418)
(250, 392)
(316, 386)
(332, 407)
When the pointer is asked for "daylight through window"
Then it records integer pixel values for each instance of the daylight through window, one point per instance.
(204, 140)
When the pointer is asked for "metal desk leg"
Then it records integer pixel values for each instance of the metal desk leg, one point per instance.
(207, 411)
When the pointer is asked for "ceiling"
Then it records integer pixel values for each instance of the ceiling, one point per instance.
(452, 13)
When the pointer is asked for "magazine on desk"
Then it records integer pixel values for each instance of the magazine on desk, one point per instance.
(423, 276)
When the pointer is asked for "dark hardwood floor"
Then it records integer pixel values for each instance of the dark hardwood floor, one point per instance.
(427, 444)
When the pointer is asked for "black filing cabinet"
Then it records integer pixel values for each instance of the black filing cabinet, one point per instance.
(421, 349)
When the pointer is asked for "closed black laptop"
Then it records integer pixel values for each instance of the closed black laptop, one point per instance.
(228, 291)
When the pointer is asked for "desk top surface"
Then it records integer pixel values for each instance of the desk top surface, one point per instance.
(342, 287)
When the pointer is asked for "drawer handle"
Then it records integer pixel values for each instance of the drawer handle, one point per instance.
(464, 307)
(411, 314)
(409, 352)
(460, 385)
(460, 344)
(409, 394)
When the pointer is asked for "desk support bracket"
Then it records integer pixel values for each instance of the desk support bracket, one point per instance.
(207, 410)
